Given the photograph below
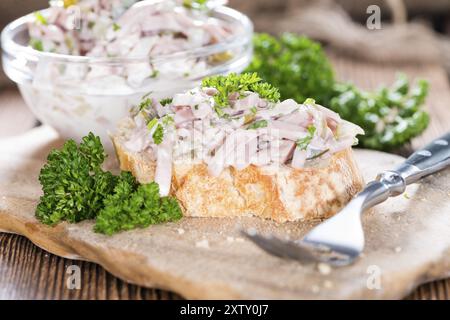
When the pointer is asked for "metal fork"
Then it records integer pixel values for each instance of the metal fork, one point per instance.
(340, 240)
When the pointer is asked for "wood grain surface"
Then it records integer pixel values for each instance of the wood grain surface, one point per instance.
(27, 272)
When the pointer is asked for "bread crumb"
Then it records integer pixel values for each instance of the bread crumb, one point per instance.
(328, 284)
(239, 240)
(324, 268)
(180, 231)
(202, 244)
(398, 249)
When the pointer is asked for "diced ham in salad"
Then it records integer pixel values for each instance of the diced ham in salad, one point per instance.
(246, 130)
(123, 28)
(119, 50)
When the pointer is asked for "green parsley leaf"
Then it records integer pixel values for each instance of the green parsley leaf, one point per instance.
(303, 143)
(145, 104)
(158, 135)
(152, 123)
(40, 18)
(258, 124)
(154, 74)
(310, 101)
(167, 120)
(166, 101)
(37, 44)
(116, 27)
(195, 4)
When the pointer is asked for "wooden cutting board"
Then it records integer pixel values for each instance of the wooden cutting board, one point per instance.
(408, 240)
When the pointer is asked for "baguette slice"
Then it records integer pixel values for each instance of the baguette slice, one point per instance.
(279, 193)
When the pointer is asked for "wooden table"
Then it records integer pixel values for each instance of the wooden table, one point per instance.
(28, 272)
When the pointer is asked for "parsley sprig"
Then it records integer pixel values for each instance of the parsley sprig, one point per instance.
(135, 206)
(295, 64)
(239, 83)
(390, 117)
(76, 188)
(73, 182)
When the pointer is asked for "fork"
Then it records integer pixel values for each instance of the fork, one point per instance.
(339, 240)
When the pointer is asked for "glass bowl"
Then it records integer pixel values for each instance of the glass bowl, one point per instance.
(79, 94)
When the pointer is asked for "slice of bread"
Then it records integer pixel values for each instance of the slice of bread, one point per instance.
(279, 193)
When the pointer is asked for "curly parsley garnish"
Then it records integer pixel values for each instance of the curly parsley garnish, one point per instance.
(135, 206)
(390, 117)
(76, 188)
(239, 83)
(73, 182)
(295, 64)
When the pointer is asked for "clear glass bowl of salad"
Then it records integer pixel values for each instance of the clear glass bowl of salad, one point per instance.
(81, 81)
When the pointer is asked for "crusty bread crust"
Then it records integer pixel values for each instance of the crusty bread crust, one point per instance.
(279, 193)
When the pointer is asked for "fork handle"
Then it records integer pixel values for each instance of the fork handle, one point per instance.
(428, 160)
